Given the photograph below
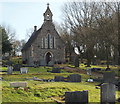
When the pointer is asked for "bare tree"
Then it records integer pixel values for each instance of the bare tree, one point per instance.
(29, 33)
(94, 26)
(106, 19)
(10, 31)
(80, 19)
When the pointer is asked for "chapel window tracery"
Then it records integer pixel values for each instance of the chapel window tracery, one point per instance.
(48, 42)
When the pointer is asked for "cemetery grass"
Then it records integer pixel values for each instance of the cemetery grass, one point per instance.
(38, 91)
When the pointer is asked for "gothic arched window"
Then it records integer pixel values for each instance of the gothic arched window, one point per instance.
(48, 42)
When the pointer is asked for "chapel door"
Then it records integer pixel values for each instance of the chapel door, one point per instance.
(48, 57)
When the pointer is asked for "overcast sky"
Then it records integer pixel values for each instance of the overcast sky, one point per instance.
(22, 16)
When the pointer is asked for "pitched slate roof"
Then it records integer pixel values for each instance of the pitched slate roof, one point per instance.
(31, 39)
(35, 34)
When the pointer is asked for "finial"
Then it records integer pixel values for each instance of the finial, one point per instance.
(48, 4)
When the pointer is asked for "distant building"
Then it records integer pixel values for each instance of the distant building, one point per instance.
(45, 44)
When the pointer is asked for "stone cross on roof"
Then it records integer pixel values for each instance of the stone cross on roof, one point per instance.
(48, 4)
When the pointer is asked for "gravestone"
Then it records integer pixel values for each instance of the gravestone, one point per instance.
(76, 97)
(74, 78)
(23, 70)
(56, 70)
(17, 67)
(58, 78)
(109, 77)
(18, 84)
(43, 63)
(89, 71)
(108, 93)
(76, 61)
(10, 70)
(51, 63)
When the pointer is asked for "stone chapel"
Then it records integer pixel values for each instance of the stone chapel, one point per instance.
(45, 45)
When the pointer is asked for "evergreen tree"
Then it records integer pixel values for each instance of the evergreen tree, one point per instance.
(6, 45)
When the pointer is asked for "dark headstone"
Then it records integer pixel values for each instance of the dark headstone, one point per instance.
(109, 77)
(56, 70)
(17, 67)
(77, 97)
(58, 78)
(108, 93)
(76, 61)
(95, 69)
(74, 78)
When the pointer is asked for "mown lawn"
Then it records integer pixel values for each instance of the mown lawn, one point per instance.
(39, 91)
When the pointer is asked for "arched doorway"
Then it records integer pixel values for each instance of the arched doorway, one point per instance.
(48, 57)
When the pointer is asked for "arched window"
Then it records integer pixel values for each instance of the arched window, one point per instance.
(48, 42)
(54, 42)
(51, 42)
(42, 43)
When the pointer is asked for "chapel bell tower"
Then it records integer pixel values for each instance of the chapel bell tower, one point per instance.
(48, 14)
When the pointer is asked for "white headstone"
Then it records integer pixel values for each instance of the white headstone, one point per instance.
(23, 70)
(18, 84)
